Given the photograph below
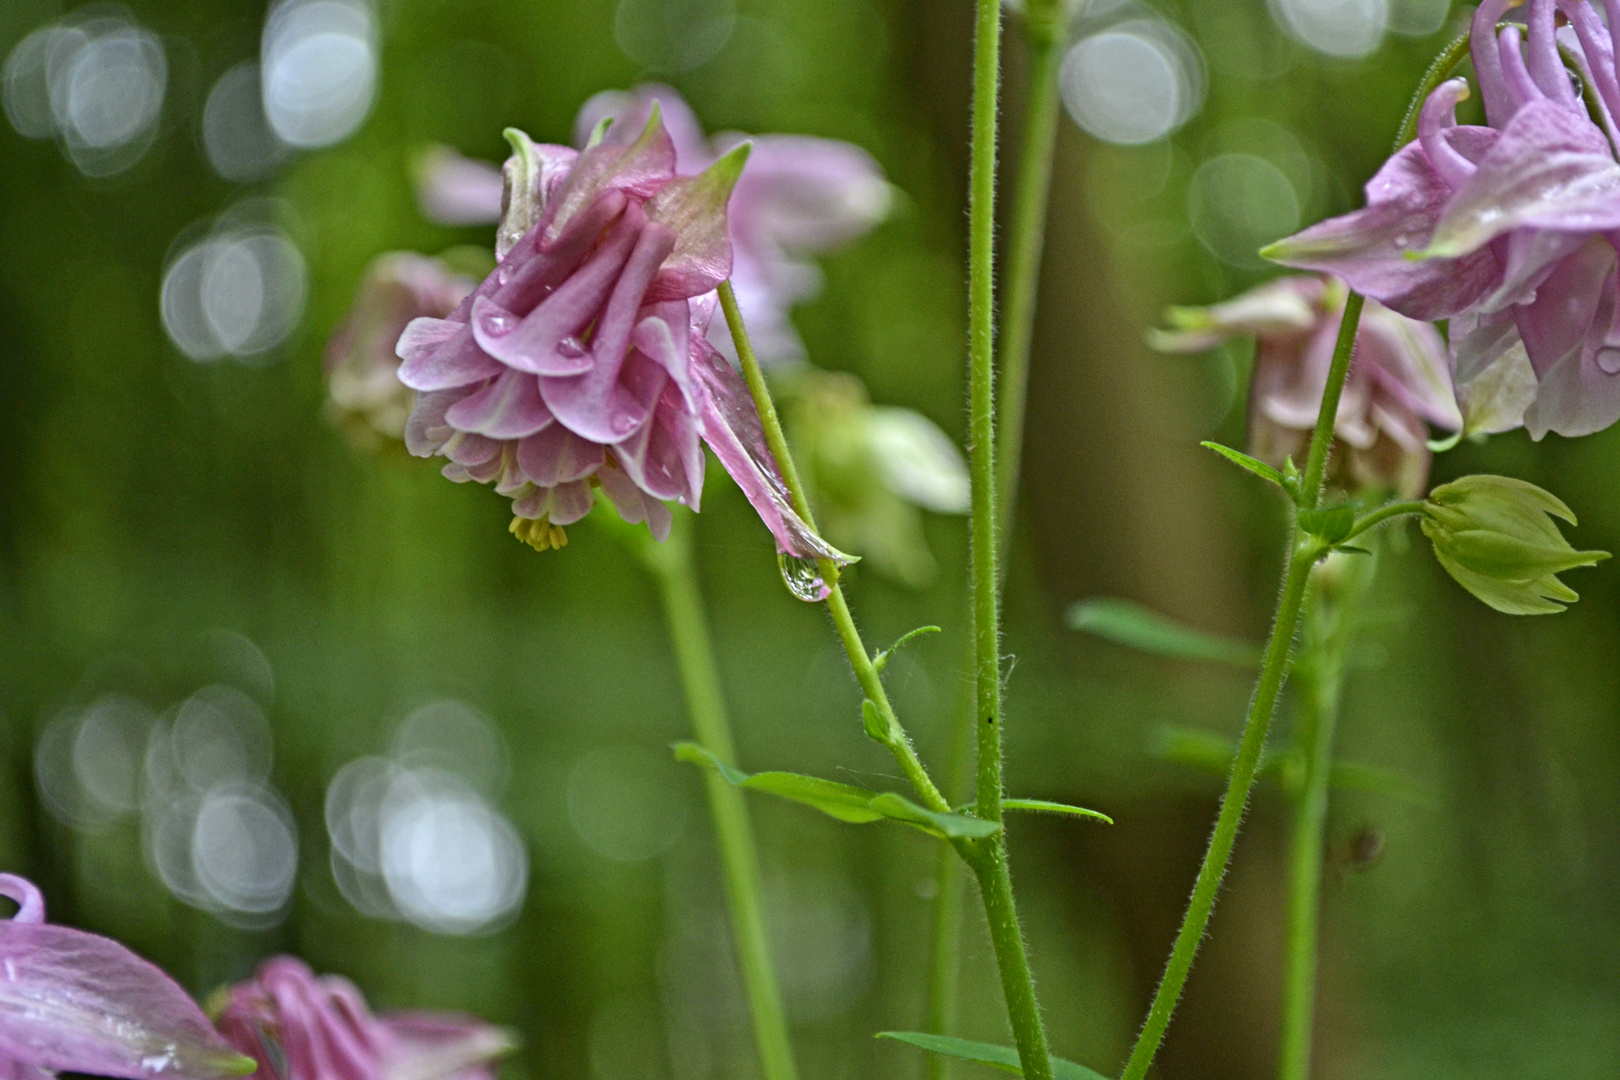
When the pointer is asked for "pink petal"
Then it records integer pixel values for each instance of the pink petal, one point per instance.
(457, 362)
(1556, 323)
(426, 431)
(528, 275)
(558, 456)
(508, 408)
(639, 169)
(630, 109)
(695, 208)
(456, 190)
(83, 1003)
(442, 1046)
(635, 505)
(1580, 393)
(561, 505)
(807, 194)
(665, 458)
(1368, 248)
(664, 335)
(605, 404)
(1551, 169)
(530, 178)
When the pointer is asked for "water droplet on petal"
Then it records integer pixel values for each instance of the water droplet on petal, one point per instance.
(1608, 360)
(803, 578)
(498, 323)
(571, 347)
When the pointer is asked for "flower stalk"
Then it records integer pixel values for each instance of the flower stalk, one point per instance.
(1304, 552)
(673, 566)
(1328, 636)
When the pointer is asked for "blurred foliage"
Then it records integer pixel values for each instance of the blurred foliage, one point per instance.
(145, 499)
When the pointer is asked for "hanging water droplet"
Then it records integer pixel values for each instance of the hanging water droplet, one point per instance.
(1608, 360)
(571, 346)
(803, 578)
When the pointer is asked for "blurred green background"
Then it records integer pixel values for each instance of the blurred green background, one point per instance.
(168, 525)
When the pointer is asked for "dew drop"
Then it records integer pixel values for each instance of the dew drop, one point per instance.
(571, 347)
(498, 323)
(803, 578)
(1608, 360)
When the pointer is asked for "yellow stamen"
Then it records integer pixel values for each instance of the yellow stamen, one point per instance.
(538, 533)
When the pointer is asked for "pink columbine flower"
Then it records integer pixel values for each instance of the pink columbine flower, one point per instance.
(297, 1026)
(580, 362)
(1508, 229)
(1397, 386)
(799, 196)
(364, 395)
(75, 1001)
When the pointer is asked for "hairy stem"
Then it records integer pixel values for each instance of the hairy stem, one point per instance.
(1328, 635)
(1304, 551)
(989, 859)
(860, 659)
(1043, 30)
(1383, 514)
(672, 565)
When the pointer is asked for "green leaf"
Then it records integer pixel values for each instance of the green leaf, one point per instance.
(1349, 776)
(1242, 460)
(1126, 623)
(1351, 549)
(1200, 749)
(881, 659)
(845, 802)
(1004, 1058)
(1041, 806)
(842, 801)
(1331, 523)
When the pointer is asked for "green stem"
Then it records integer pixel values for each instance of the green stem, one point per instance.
(1304, 551)
(1043, 31)
(1328, 636)
(989, 859)
(898, 741)
(1026, 241)
(672, 565)
(1383, 514)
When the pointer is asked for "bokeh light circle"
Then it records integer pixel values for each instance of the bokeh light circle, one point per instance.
(1133, 83)
(1238, 203)
(319, 69)
(1341, 28)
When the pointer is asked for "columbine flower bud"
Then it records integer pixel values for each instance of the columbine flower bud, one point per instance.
(871, 469)
(78, 1002)
(1496, 537)
(364, 395)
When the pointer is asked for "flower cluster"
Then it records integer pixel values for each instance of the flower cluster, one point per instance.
(1397, 386)
(581, 362)
(1509, 230)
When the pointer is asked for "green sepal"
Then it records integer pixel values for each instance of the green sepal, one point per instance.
(1042, 806)
(1242, 460)
(1331, 523)
(880, 659)
(873, 720)
(1127, 623)
(1004, 1058)
(1291, 478)
(599, 132)
(846, 802)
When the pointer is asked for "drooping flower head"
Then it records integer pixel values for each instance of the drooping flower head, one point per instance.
(78, 1002)
(580, 362)
(1398, 383)
(799, 196)
(364, 395)
(298, 1026)
(1509, 229)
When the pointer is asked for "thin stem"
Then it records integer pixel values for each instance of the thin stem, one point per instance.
(1383, 514)
(672, 565)
(1043, 31)
(1026, 241)
(1322, 437)
(989, 859)
(1328, 637)
(899, 742)
(1304, 551)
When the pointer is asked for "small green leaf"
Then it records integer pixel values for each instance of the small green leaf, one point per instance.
(1242, 460)
(1041, 806)
(881, 659)
(1349, 776)
(1199, 749)
(1126, 623)
(856, 805)
(1004, 1058)
(1440, 446)
(876, 726)
(952, 826)
(1331, 523)
(1351, 549)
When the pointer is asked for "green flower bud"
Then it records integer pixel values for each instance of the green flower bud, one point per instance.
(1496, 536)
